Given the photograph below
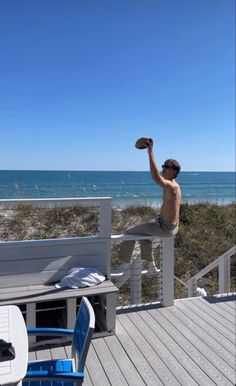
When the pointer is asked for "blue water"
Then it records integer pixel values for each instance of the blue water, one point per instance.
(126, 188)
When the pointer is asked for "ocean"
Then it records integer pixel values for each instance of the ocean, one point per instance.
(126, 188)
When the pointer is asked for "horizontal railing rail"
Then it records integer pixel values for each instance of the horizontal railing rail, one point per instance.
(223, 264)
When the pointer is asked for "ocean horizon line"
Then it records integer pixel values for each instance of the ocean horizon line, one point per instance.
(111, 171)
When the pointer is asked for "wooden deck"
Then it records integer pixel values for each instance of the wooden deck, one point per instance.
(190, 343)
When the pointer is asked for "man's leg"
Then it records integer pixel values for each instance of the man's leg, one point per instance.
(149, 229)
(126, 250)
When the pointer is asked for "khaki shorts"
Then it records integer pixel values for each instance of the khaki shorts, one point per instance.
(156, 228)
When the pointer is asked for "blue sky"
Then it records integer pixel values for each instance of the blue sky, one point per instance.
(81, 80)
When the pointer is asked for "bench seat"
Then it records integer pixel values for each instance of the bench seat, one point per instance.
(44, 293)
(30, 268)
(103, 297)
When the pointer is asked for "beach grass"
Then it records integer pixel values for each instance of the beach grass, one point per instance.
(206, 231)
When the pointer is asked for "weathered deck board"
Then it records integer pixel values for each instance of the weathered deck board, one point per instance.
(213, 361)
(212, 344)
(228, 313)
(108, 362)
(203, 325)
(188, 358)
(124, 362)
(207, 315)
(190, 343)
(143, 366)
(95, 369)
(217, 315)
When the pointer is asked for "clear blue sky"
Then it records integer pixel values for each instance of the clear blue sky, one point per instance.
(81, 80)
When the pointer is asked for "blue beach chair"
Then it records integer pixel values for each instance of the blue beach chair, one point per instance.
(64, 372)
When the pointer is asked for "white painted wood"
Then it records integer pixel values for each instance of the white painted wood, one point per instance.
(133, 270)
(167, 271)
(124, 237)
(24, 262)
(136, 280)
(215, 263)
(107, 253)
(29, 268)
(31, 320)
(192, 286)
(105, 219)
(55, 202)
(223, 263)
(102, 203)
(224, 275)
(49, 293)
(71, 312)
(122, 273)
(110, 315)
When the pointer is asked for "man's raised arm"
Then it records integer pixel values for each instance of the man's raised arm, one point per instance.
(156, 175)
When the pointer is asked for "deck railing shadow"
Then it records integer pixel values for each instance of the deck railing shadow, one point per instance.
(221, 298)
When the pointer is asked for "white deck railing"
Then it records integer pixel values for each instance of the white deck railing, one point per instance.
(165, 273)
(103, 204)
(223, 264)
(135, 272)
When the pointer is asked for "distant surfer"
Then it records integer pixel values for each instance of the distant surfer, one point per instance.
(167, 224)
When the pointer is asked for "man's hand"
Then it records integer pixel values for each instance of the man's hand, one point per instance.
(150, 145)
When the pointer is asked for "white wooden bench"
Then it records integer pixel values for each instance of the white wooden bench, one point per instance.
(30, 268)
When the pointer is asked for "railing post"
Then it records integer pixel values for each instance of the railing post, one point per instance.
(192, 285)
(224, 275)
(167, 271)
(105, 219)
(136, 280)
(104, 231)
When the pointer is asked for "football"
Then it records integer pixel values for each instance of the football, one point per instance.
(143, 142)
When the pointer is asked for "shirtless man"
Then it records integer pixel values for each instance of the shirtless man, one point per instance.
(168, 222)
(172, 194)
